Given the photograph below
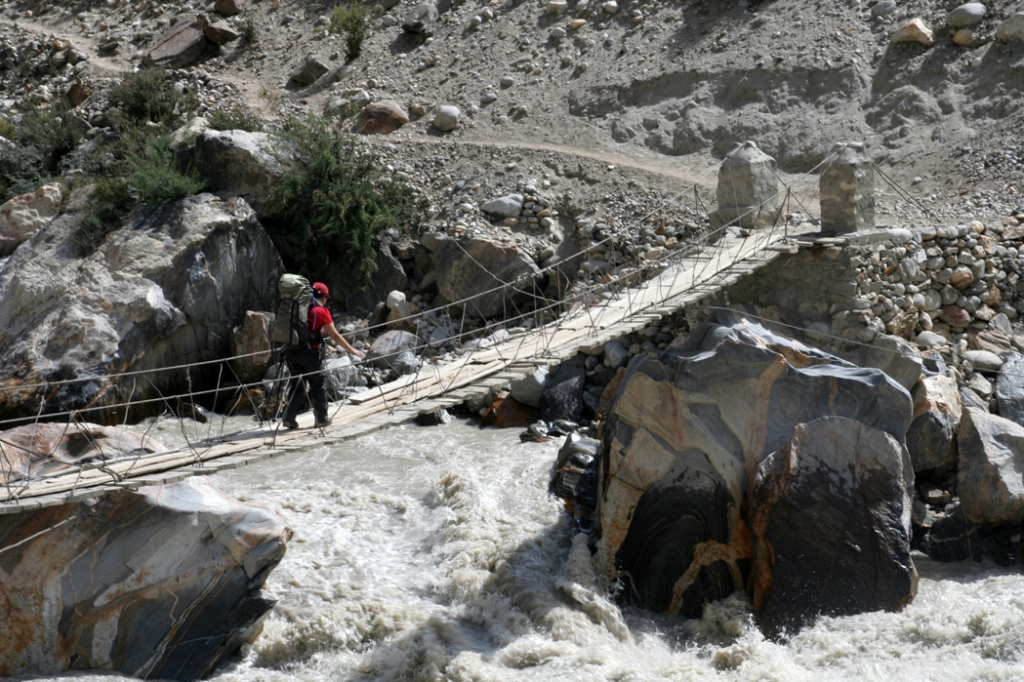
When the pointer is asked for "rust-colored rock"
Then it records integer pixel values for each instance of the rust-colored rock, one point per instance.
(955, 316)
(229, 8)
(383, 117)
(507, 413)
(220, 32)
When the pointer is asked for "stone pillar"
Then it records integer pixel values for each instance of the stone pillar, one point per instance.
(748, 189)
(847, 189)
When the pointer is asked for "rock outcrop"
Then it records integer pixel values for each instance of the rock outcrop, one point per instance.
(24, 215)
(183, 45)
(476, 269)
(165, 290)
(990, 477)
(685, 436)
(931, 438)
(830, 518)
(164, 582)
(237, 163)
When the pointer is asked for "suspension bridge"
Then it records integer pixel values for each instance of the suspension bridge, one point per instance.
(585, 319)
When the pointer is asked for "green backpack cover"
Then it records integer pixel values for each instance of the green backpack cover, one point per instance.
(291, 316)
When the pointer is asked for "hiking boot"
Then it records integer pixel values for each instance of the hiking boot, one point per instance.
(324, 424)
(291, 426)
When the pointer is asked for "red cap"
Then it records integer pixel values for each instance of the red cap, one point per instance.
(321, 289)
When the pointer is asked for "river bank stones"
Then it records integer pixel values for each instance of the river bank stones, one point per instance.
(683, 437)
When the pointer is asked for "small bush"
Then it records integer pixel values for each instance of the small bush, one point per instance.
(154, 174)
(21, 171)
(235, 118)
(351, 22)
(336, 203)
(110, 200)
(247, 34)
(7, 129)
(147, 95)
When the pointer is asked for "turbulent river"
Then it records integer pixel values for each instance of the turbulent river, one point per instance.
(438, 554)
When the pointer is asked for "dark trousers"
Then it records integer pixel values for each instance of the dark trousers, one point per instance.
(306, 361)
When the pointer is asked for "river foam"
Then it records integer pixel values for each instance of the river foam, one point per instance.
(437, 554)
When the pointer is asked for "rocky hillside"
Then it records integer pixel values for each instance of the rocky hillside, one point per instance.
(611, 106)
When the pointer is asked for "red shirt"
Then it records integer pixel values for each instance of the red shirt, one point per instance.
(319, 317)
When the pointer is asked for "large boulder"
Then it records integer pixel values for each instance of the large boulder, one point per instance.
(966, 15)
(1010, 389)
(237, 163)
(1012, 30)
(251, 346)
(383, 117)
(229, 8)
(389, 276)
(163, 582)
(183, 45)
(830, 518)
(389, 347)
(473, 272)
(990, 476)
(686, 433)
(23, 216)
(421, 20)
(308, 71)
(164, 291)
(562, 397)
(931, 438)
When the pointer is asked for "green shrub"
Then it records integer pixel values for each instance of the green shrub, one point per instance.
(247, 34)
(55, 130)
(21, 171)
(235, 118)
(7, 129)
(147, 95)
(351, 22)
(154, 174)
(110, 200)
(336, 203)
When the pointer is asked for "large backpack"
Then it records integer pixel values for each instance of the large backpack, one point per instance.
(291, 316)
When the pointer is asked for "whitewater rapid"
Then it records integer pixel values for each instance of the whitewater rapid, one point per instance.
(438, 554)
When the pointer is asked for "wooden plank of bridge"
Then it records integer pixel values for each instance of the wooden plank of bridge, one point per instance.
(697, 276)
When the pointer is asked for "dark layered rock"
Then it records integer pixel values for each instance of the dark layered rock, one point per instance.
(990, 476)
(952, 537)
(164, 291)
(931, 438)
(308, 72)
(164, 582)
(562, 397)
(1010, 389)
(477, 269)
(830, 518)
(683, 437)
